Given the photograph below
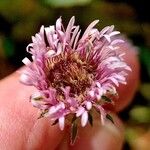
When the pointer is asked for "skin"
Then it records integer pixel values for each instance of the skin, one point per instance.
(20, 129)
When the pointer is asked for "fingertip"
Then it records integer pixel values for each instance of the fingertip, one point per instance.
(44, 136)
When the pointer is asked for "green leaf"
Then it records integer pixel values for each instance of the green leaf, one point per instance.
(55, 122)
(38, 98)
(107, 99)
(90, 119)
(73, 119)
(42, 114)
(74, 131)
(109, 117)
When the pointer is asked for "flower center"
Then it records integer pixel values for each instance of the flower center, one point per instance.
(69, 70)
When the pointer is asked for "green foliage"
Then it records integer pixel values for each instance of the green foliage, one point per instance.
(145, 90)
(145, 57)
(140, 114)
(66, 3)
(9, 47)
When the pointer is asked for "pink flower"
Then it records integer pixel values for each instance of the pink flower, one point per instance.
(74, 74)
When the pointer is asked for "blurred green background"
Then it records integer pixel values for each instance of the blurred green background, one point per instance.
(20, 19)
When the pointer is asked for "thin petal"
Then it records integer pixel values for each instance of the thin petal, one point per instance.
(104, 30)
(50, 53)
(117, 41)
(25, 79)
(61, 123)
(107, 37)
(26, 61)
(88, 105)
(69, 28)
(89, 29)
(52, 110)
(58, 24)
(80, 111)
(84, 119)
(74, 35)
(114, 33)
(36, 96)
(91, 93)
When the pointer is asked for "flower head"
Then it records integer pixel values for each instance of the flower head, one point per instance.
(74, 74)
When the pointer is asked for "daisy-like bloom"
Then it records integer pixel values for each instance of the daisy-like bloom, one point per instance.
(73, 73)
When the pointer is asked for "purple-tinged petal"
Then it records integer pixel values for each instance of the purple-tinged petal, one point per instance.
(29, 48)
(88, 105)
(76, 40)
(128, 68)
(115, 81)
(80, 111)
(91, 93)
(58, 24)
(89, 28)
(107, 37)
(25, 79)
(50, 53)
(59, 49)
(103, 114)
(84, 119)
(69, 28)
(37, 96)
(104, 30)
(26, 61)
(61, 123)
(52, 110)
(75, 32)
(114, 33)
(117, 41)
